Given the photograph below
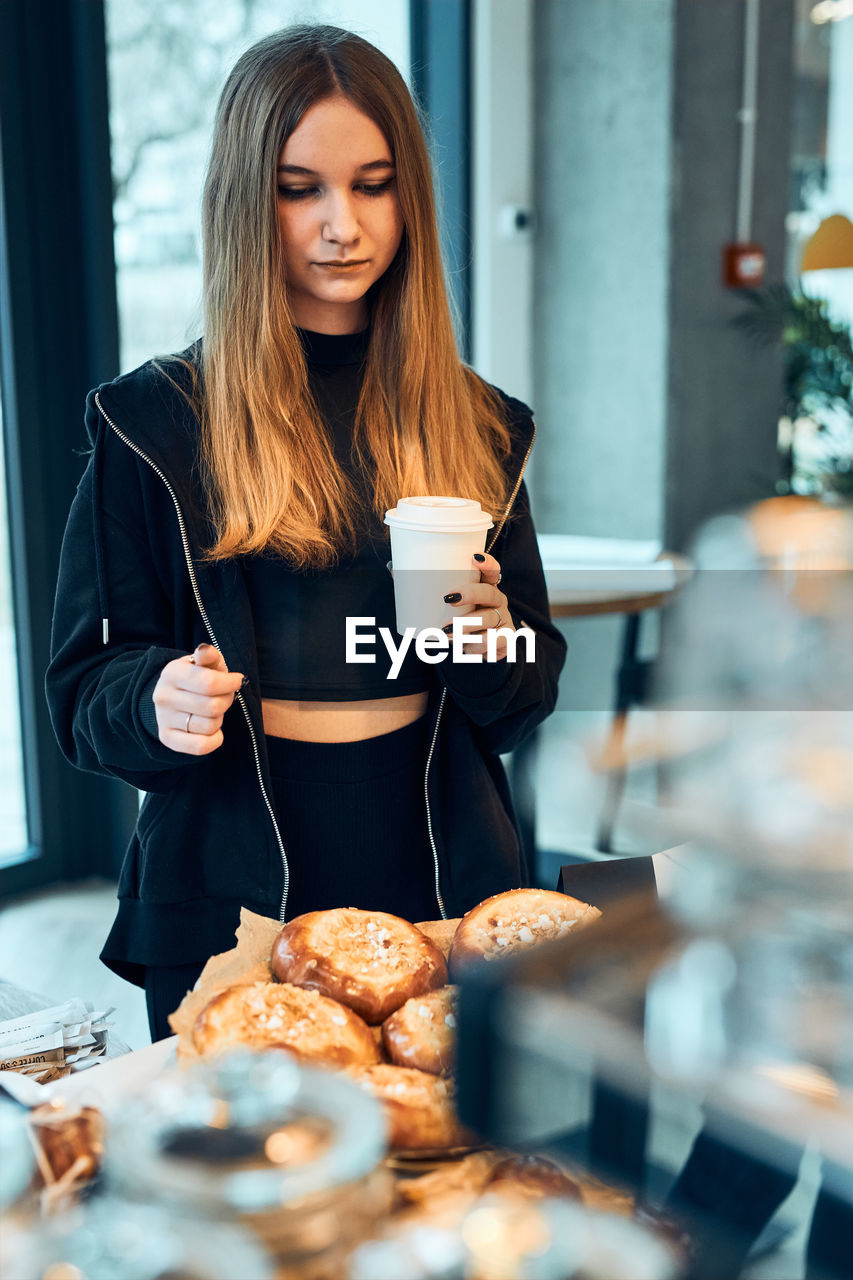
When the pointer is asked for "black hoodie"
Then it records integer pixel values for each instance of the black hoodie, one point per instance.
(134, 592)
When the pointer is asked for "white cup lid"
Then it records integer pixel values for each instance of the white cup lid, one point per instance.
(439, 514)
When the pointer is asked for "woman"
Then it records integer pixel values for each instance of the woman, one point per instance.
(231, 518)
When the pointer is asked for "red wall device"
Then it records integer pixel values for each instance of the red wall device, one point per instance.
(743, 265)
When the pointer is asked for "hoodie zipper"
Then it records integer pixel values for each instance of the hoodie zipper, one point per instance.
(495, 536)
(514, 494)
(203, 612)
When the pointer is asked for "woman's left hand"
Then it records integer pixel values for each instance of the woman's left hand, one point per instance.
(487, 601)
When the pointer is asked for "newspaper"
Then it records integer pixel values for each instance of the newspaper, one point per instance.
(51, 1042)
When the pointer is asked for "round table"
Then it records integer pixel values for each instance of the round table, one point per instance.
(631, 679)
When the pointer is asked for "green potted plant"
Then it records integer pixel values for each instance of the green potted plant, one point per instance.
(816, 426)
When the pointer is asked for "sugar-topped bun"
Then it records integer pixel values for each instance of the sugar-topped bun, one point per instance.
(265, 1015)
(422, 1032)
(418, 1106)
(370, 960)
(514, 921)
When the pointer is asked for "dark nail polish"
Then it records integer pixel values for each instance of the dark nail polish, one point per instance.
(480, 559)
(453, 597)
(448, 630)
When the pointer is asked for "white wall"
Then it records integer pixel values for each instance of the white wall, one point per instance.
(502, 94)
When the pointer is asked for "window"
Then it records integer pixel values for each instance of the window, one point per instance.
(816, 433)
(57, 322)
(821, 163)
(13, 808)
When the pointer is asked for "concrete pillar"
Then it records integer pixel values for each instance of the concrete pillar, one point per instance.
(602, 166)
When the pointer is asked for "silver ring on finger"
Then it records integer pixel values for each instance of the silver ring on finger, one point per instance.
(187, 725)
(499, 617)
(498, 579)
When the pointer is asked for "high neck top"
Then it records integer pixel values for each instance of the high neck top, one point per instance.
(300, 616)
(334, 348)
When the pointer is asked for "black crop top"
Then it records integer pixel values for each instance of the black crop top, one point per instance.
(300, 615)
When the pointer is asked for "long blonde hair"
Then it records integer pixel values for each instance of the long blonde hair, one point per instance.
(425, 423)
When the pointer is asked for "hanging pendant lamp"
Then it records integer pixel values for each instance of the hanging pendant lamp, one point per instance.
(831, 246)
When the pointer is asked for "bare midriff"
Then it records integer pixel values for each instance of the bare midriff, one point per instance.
(341, 721)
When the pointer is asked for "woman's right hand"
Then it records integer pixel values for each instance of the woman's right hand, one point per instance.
(191, 698)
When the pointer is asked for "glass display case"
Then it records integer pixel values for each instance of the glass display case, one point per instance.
(731, 1010)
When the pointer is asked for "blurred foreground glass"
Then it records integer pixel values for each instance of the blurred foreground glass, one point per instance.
(292, 1154)
(759, 677)
(516, 1239)
(17, 1162)
(167, 63)
(113, 1239)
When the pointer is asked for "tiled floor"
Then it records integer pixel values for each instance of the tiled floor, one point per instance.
(49, 943)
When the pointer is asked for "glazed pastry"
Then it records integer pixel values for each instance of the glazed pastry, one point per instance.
(422, 1033)
(369, 960)
(266, 1015)
(418, 1106)
(513, 921)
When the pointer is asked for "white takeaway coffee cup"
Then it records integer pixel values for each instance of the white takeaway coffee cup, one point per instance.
(432, 542)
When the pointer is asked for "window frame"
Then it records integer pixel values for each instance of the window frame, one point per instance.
(441, 82)
(58, 319)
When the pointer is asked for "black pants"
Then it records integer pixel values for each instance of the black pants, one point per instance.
(165, 988)
(353, 822)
